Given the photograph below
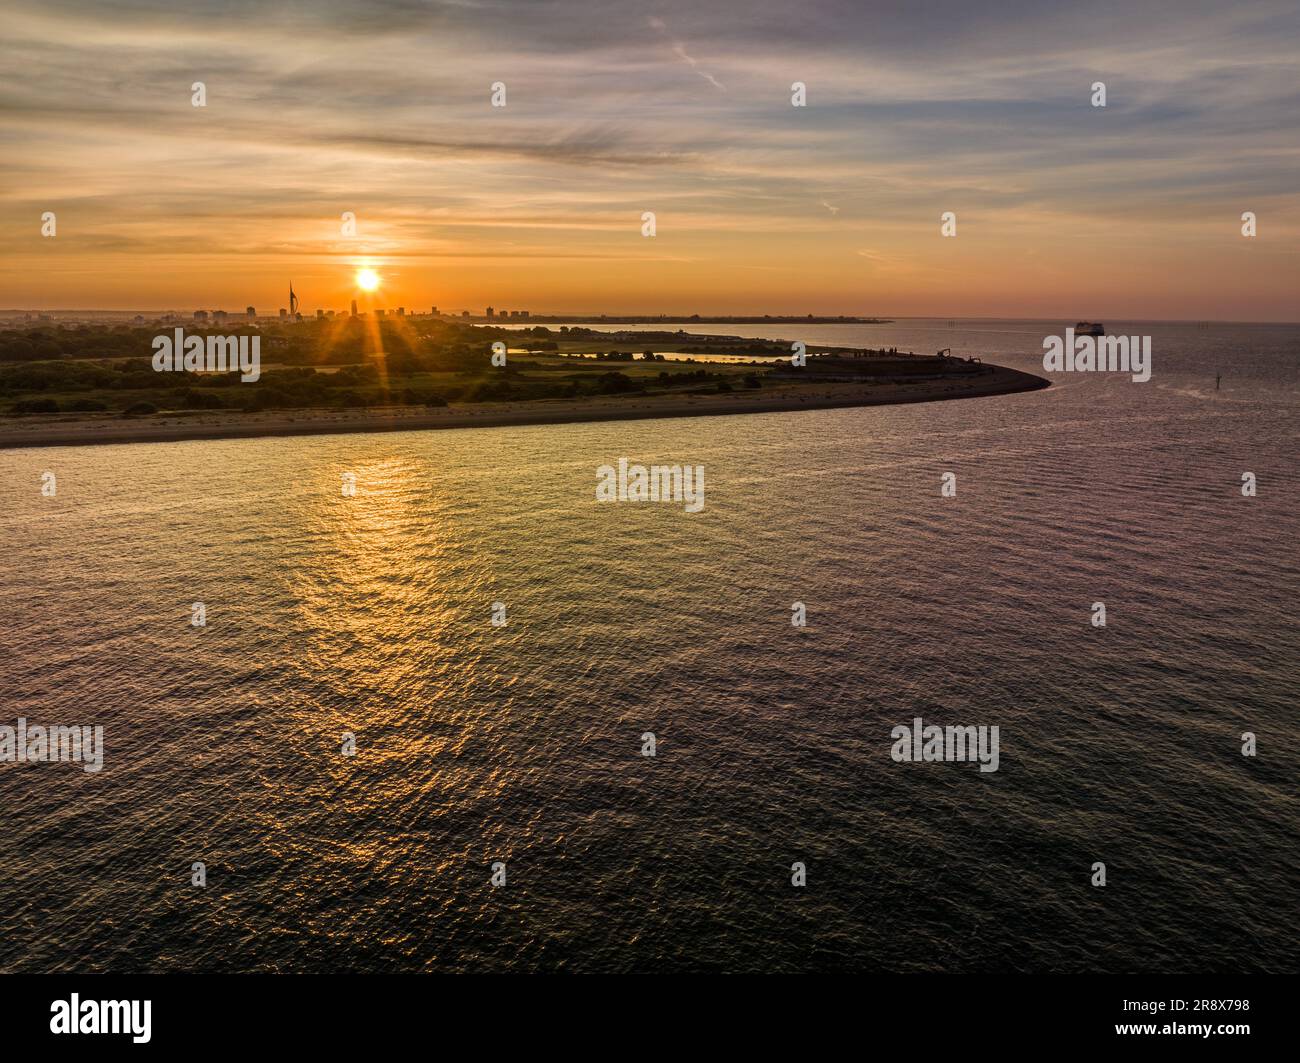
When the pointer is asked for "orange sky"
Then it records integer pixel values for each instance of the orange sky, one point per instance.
(1127, 211)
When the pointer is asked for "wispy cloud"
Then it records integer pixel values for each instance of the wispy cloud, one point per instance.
(383, 108)
(679, 50)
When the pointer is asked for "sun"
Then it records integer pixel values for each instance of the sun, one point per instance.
(367, 280)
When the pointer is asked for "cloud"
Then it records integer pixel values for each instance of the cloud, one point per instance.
(679, 50)
(383, 107)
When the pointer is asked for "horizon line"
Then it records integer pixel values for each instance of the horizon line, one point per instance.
(591, 316)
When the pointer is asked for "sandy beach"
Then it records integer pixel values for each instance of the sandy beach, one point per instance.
(53, 431)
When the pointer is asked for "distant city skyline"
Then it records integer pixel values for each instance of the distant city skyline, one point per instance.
(384, 113)
(544, 317)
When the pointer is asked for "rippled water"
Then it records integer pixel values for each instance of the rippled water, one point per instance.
(371, 615)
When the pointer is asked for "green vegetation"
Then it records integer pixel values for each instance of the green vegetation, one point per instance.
(347, 363)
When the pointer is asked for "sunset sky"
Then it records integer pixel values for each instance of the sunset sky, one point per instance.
(383, 108)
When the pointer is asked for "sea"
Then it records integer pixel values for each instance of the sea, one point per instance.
(411, 733)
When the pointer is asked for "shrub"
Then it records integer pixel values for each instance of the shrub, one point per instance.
(201, 400)
(139, 409)
(36, 406)
(267, 399)
(489, 391)
(617, 383)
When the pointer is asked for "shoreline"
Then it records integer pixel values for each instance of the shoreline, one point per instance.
(24, 432)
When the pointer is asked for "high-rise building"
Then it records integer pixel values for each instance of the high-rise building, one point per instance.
(491, 312)
(200, 315)
(219, 317)
(284, 314)
(251, 312)
(435, 311)
(379, 313)
(320, 312)
(401, 311)
(354, 308)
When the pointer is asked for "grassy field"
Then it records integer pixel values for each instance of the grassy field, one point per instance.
(350, 363)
